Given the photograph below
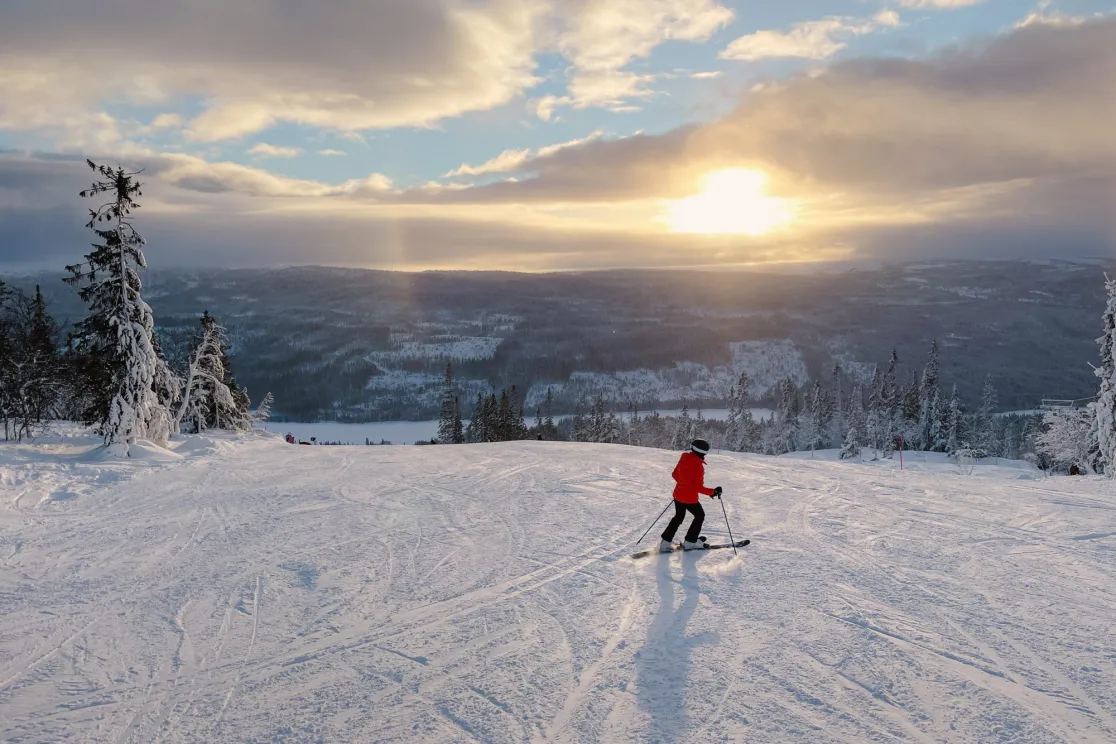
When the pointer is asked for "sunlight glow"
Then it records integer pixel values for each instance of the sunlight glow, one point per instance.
(731, 202)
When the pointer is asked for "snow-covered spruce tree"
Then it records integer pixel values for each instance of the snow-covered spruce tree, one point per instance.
(683, 430)
(208, 401)
(932, 437)
(458, 426)
(851, 447)
(263, 411)
(449, 406)
(985, 434)
(30, 367)
(1104, 408)
(1069, 438)
(956, 438)
(474, 432)
(836, 429)
(116, 339)
(550, 431)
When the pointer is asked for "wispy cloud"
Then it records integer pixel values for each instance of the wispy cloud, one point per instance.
(601, 38)
(332, 153)
(942, 4)
(816, 40)
(510, 161)
(706, 74)
(264, 150)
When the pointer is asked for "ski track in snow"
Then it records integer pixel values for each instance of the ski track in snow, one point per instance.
(484, 593)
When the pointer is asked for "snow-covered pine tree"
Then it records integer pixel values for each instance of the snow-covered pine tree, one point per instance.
(263, 410)
(579, 426)
(598, 421)
(955, 423)
(117, 337)
(1069, 437)
(874, 432)
(207, 400)
(851, 447)
(550, 430)
(930, 404)
(683, 430)
(449, 406)
(837, 423)
(474, 432)
(1104, 408)
(458, 428)
(984, 427)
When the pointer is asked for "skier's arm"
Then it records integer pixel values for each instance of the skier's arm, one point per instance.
(699, 482)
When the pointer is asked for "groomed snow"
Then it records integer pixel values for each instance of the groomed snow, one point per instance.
(249, 591)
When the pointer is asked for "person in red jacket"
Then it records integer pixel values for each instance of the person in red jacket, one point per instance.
(689, 478)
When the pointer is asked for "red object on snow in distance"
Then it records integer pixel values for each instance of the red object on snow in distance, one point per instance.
(689, 474)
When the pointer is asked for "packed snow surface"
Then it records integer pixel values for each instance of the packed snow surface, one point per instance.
(251, 591)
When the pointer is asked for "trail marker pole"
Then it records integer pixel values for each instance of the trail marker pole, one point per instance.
(900, 452)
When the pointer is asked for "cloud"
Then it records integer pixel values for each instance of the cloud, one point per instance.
(1039, 17)
(505, 162)
(941, 4)
(510, 161)
(332, 153)
(706, 75)
(341, 65)
(600, 38)
(264, 150)
(1001, 147)
(807, 40)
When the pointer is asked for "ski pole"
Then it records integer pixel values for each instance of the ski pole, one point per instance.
(664, 511)
(731, 538)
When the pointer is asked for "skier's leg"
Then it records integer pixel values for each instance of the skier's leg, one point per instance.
(694, 532)
(675, 521)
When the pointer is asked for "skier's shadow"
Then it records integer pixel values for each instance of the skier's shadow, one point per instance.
(663, 664)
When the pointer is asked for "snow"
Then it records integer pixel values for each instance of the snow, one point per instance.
(249, 590)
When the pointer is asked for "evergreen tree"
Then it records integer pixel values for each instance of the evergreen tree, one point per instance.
(117, 337)
(208, 402)
(1104, 408)
(851, 447)
(579, 425)
(449, 407)
(683, 430)
(955, 423)
(474, 431)
(930, 404)
(985, 434)
(550, 431)
(458, 429)
(263, 410)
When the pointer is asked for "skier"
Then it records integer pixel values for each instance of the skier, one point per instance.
(689, 477)
(290, 438)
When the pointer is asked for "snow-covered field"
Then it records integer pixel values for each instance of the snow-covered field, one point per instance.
(250, 591)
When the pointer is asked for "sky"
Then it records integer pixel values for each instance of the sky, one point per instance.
(540, 135)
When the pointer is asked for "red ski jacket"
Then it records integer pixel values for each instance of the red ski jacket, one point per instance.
(689, 474)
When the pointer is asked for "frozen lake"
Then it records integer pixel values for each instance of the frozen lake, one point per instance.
(409, 432)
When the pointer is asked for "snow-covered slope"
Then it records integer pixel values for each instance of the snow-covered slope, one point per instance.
(254, 591)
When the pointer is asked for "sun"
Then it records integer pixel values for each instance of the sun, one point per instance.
(731, 202)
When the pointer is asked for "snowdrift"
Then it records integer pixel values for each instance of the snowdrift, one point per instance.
(247, 590)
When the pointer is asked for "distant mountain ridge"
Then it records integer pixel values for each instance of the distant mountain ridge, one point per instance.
(357, 345)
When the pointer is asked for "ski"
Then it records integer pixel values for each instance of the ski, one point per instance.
(679, 548)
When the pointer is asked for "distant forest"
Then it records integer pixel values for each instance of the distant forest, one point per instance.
(353, 345)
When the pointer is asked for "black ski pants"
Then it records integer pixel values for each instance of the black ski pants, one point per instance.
(680, 510)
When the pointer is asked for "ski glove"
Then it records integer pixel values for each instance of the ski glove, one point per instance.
(716, 493)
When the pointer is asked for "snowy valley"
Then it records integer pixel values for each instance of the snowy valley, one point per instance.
(240, 589)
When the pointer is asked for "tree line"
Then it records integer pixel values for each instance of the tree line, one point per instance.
(109, 371)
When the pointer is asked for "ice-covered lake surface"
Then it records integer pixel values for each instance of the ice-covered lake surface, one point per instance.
(240, 589)
(409, 432)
